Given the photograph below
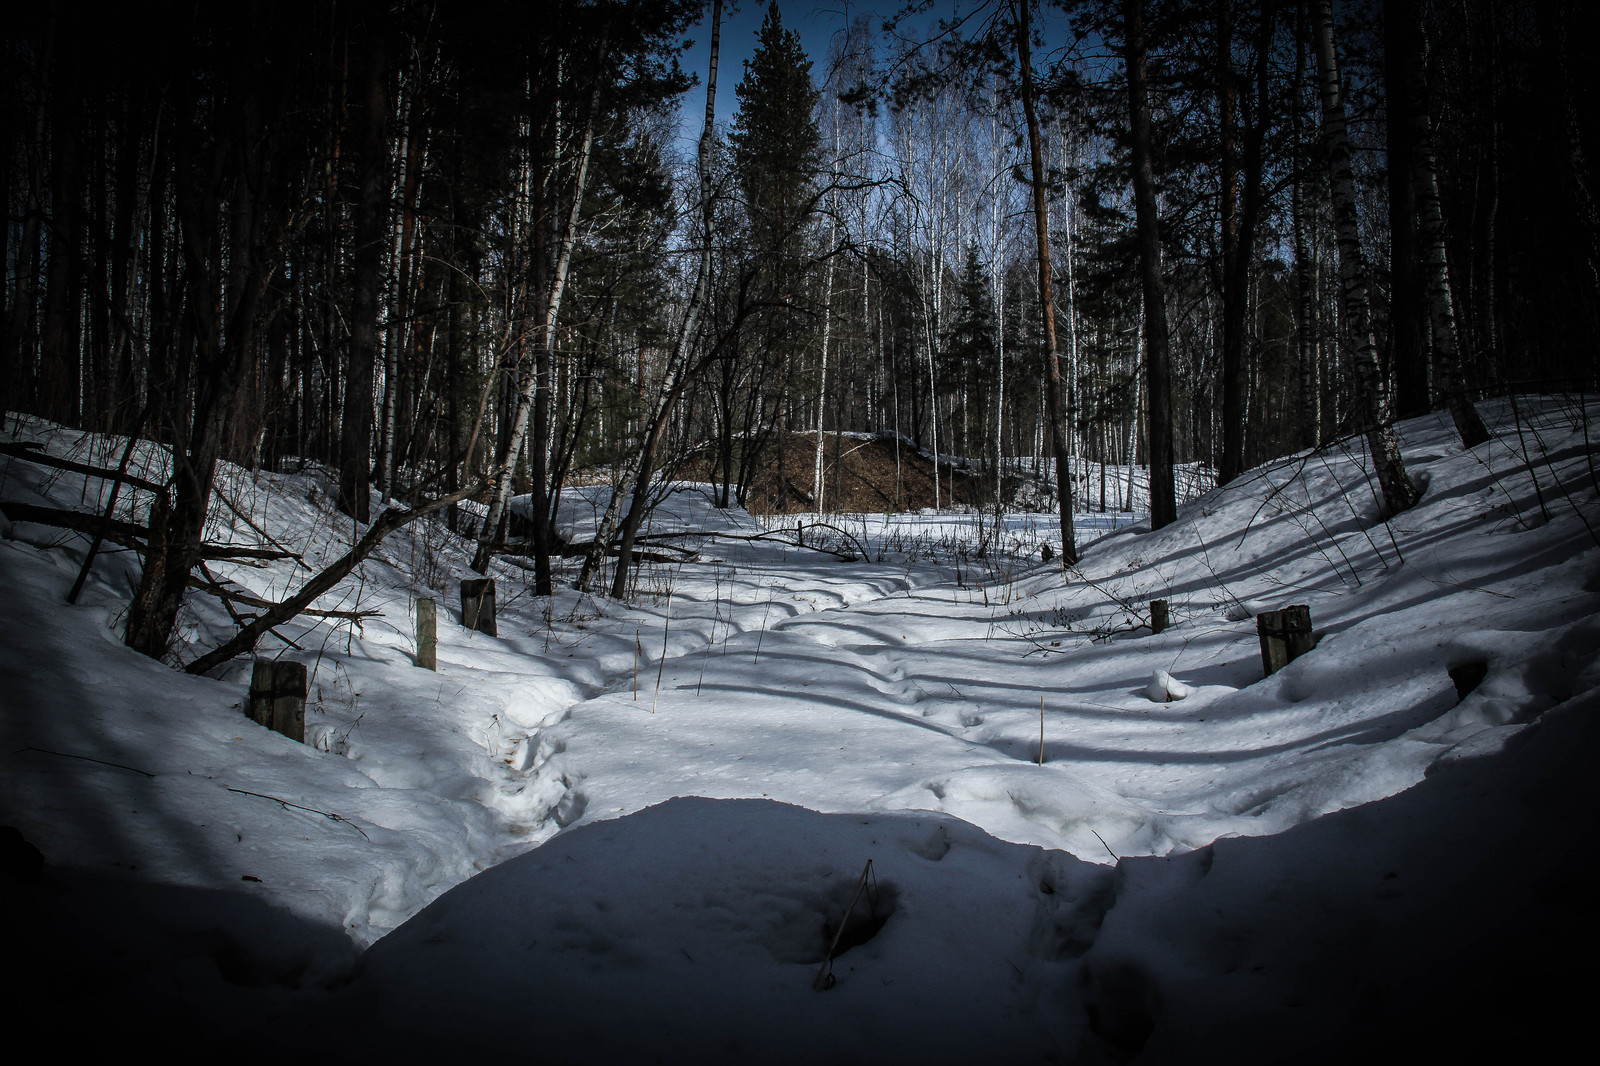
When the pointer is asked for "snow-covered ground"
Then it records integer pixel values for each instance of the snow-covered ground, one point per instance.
(670, 804)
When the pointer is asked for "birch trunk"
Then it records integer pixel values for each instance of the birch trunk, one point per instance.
(1447, 359)
(1399, 494)
(641, 469)
(500, 476)
(1305, 313)
(822, 380)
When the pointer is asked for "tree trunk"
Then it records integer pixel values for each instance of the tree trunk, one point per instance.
(1231, 464)
(1304, 307)
(59, 359)
(1163, 494)
(1424, 173)
(1408, 315)
(1041, 232)
(372, 224)
(1399, 494)
(671, 390)
(827, 332)
(530, 390)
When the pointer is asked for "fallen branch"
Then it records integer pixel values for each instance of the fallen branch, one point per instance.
(85, 758)
(228, 595)
(329, 815)
(240, 551)
(110, 508)
(390, 520)
(127, 534)
(778, 534)
(582, 548)
(31, 453)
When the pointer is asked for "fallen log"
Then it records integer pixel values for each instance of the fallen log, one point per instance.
(33, 454)
(127, 534)
(386, 523)
(230, 595)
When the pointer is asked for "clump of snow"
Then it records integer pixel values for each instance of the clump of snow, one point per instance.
(1164, 688)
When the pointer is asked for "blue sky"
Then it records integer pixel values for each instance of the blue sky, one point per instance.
(817, 22)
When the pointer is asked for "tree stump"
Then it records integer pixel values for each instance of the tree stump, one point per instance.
(477, 604)
(278, 697)
(1159, 619)
(427, 634)
(1285, 636)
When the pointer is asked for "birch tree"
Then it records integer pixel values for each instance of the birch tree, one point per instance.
(1399, 494)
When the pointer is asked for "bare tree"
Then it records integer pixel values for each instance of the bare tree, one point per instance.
(1163, 497)
(1399, 494)
(1055, 401)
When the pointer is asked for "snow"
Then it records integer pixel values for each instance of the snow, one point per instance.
(620, 829)
(1164, 688)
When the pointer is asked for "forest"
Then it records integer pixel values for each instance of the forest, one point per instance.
(466, 254)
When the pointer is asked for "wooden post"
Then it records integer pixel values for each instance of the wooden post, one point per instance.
(1158, 616)
(278, 697)
(1285, 636)
(427, 634)
(477, 604)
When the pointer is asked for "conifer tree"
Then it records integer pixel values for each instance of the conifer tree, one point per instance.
(971, 339)
(776, 143)
(777, 154)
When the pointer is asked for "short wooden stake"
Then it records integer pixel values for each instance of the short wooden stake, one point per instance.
(1041, 730)
(477, 604)
(278, 697)
(1285, 636)
(1158, 616)
(427, 634)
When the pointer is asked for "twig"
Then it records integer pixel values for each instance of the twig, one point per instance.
(665, 629)
(263, 534)
(85, 758)
(1538, 490)
(823, 980)
(763, 634)
(31, 453)
(222, 592)
(111, 505)
(300, 807)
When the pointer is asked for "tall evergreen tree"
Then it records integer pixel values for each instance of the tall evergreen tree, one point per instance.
(777, 146)
(971, 338)
(777, 155)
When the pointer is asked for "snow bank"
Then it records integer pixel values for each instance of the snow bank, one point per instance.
(881, 706)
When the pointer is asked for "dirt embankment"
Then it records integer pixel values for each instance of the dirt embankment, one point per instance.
(860, 474)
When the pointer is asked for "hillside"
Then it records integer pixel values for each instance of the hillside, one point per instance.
(877, 474)
(665, 802)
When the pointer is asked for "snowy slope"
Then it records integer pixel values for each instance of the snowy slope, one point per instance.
(886, 705)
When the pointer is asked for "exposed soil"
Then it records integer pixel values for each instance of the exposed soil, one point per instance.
(860, 475)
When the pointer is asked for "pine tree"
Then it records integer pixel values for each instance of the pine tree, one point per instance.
(777, 155)
(970, 340)
(776, 143)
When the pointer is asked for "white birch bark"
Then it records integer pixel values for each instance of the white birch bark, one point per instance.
(1399, 494)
